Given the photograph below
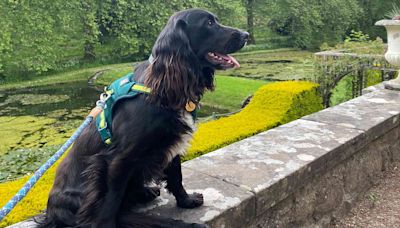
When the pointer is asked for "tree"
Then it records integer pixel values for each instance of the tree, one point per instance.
(90, 28)
(34, 31)
(249, 6)
(5, 37)
(45, 35)
(309, 23)
(373, 11)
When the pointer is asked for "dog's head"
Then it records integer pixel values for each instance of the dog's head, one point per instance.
(209, 40)
(188, 50)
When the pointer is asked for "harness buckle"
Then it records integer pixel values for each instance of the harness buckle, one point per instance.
(104, 97)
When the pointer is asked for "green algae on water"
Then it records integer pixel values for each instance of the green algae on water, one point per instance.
(34, 99)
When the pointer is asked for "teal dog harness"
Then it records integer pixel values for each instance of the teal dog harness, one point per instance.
(121, 88)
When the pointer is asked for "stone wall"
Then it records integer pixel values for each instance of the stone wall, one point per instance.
(308, 172)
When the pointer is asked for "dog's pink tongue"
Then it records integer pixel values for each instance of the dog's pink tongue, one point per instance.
(237, 65)
(231, 58)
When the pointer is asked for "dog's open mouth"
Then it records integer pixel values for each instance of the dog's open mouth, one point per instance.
(224, 61)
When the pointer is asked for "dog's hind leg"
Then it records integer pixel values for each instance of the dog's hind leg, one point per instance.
(174, 185)
(108, 178)
(61, 210)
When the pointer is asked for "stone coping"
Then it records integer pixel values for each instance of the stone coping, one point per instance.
(245, 179)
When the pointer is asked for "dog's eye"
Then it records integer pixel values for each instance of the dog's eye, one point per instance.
(210, 22)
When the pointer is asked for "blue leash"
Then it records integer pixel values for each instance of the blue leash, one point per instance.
(39, 173)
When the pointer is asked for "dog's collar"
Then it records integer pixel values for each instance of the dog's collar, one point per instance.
(151, 59)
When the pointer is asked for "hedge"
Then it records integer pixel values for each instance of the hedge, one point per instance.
(272, 105)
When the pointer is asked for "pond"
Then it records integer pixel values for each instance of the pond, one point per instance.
(41, 101)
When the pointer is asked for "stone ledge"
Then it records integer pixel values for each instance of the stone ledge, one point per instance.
(324, 160)
(275, 164)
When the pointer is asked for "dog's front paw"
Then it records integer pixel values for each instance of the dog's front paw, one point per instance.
(191, 201)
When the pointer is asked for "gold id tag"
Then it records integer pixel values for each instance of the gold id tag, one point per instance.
(190, 106)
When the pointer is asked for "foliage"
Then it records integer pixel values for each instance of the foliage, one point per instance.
(41, 36)
(394, 12)
(342, 91)
(364, 47)
(356, 36)
(39, 28)
(373, 77)
(309, 23)
(106, 30)
(90, 28)
(272, 105)
(373, 11)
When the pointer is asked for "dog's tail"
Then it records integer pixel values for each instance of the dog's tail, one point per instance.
(133, 220)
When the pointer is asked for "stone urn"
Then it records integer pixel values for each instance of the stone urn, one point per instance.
(393, 53)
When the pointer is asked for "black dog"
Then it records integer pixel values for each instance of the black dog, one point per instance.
(96, 185)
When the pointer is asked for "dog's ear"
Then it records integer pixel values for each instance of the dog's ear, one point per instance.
(173, 76)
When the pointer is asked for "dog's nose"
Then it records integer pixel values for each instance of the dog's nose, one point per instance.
(245, 35)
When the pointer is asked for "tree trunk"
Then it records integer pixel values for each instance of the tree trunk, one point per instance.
(249, 5)
(90, 29)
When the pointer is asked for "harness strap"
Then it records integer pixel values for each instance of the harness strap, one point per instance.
(122, 88)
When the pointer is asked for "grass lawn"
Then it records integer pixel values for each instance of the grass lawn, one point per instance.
(279, 64)
(230, 92)
(64, 77)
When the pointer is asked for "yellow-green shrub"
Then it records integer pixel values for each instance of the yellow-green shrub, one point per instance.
(272, 105)
(34, 202)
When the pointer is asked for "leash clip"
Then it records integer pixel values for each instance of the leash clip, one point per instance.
(104, 97)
